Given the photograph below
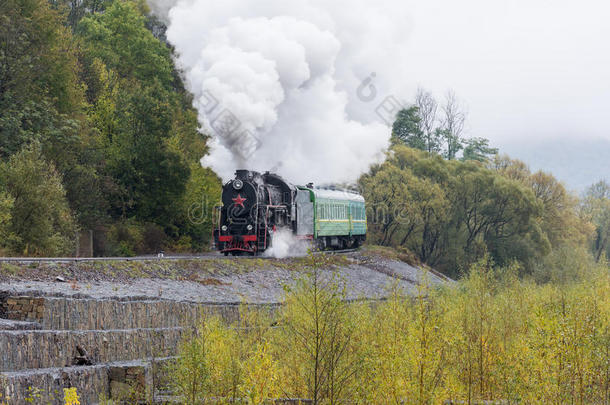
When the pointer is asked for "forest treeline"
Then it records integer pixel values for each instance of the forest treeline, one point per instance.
(451, 213)
(489, 337)
(96, 133)
(451, 201)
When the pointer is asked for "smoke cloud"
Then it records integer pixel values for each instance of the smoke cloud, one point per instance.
(275, 81)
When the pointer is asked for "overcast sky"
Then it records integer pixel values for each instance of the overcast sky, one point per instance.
(524, 68)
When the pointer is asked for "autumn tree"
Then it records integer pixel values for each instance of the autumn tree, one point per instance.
(490, 336)
(497, 215)
(452, 121)
(406, 209)
(318, 337)
(191, 369)
(451, 213)
(597, 206)
(427, 109)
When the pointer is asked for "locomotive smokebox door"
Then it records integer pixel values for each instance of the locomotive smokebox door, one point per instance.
(304, 213)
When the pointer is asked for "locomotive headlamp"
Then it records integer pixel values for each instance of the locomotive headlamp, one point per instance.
(237, 184)
(224, 228)
(249, 227)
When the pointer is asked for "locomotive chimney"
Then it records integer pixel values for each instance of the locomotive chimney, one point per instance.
(242, 174)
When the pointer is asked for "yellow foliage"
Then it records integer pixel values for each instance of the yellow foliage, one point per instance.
(71, 396)
(261, 378)
(488, 337)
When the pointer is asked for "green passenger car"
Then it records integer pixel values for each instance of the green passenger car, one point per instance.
(339, 217)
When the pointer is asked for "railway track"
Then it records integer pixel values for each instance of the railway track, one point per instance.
(160, 257)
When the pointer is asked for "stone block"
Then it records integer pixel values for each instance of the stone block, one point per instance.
(120, 390)
(116, 374)
(136, 377)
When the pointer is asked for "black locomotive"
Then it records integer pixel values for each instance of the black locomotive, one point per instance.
(253, 206)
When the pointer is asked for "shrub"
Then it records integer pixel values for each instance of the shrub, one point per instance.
(488, 337)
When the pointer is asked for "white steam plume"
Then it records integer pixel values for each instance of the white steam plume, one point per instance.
(275, 80)
(285, 243)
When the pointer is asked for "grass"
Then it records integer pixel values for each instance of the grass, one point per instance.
(9, 269)
(389, 253)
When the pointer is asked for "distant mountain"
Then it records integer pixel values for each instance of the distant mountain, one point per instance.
(578, 163)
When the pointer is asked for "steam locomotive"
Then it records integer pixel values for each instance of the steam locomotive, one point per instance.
(255, 206)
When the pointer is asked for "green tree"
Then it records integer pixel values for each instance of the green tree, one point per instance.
(407, 129)
(197, 206)
(451, 213)
(107, 109)
(41, 221)
(75, 10)
(6, 207)
(42, 100)
(120, 39)
(478, 149)
(407, 210)
(427, 127)
(597, 206)
(150, 177)
(140, 115)
(561, 222)
(38, 73)
(497, 215)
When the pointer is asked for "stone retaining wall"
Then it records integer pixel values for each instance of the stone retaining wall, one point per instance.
(35, 362)
(45, 349)
(46, 385)
(62, 313)
(116, 381)
(89, 314)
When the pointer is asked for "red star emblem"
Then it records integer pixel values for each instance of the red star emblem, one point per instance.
(239, 200)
